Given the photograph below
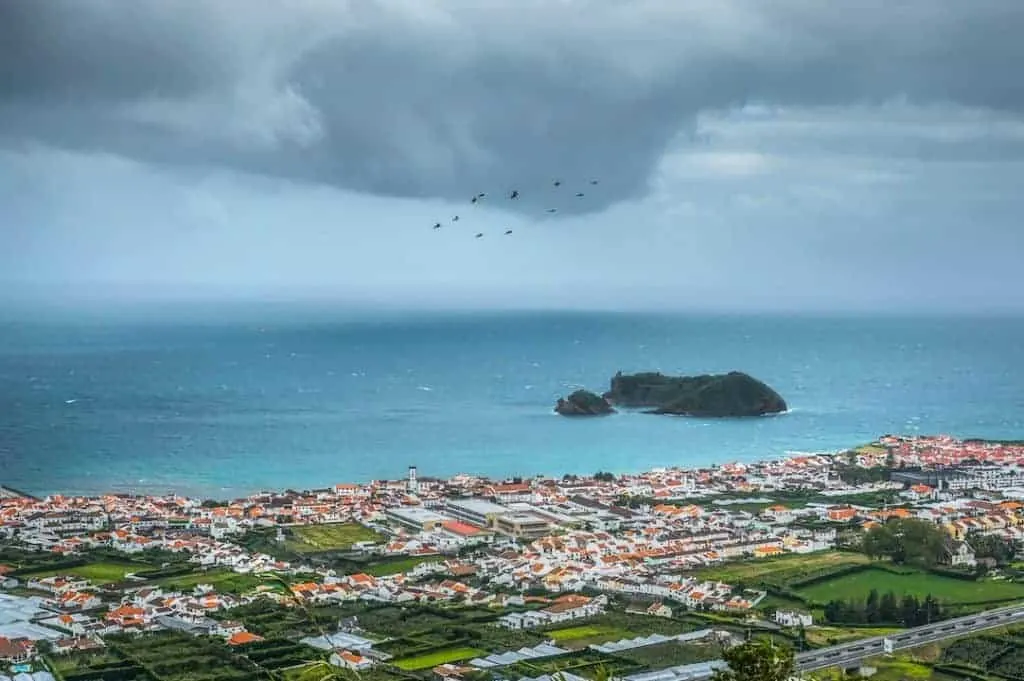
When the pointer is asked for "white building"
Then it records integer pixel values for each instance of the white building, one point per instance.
(792, 618)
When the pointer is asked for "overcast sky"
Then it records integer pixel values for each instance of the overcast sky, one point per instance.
(792, 154)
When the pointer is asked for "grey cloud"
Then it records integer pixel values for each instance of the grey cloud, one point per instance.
(444, 99)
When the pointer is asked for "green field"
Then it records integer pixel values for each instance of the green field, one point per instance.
(782, 569)
(97, 573)
(438, 657)
(224, 581)
(615, 626)
(393, 567)
(946, 589)
(314, 671)
(819, 635)
(588, 631)
(888, 670)
(328, 537)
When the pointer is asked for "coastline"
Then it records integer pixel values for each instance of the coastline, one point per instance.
(869, 454)
(709, 547)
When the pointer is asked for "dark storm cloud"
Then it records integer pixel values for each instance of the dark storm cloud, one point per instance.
(446, 98)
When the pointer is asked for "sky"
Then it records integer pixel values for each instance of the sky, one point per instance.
(750, 155)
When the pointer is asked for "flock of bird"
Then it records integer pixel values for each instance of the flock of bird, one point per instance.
(513, 195)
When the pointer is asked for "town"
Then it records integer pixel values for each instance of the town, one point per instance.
(469, 578)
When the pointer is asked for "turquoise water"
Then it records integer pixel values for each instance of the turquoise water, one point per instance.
(235, 407)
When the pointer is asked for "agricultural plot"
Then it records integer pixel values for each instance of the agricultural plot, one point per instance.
(319, 671)
(273, 621)
(821, 636)
(315, 671)
(97, 573)
(1010, 665)
(396, 621)
(790, 568)
(917, 583)
(74, 662)
(585, 663)
(424, 643)
(224, 581)
(437, 657)
(613, 627)
(588, 631)
(179, 657)
(895, 670)
(664, 655)
(976, 652)
(328, 537)
(101, 665)
(393, 567)
(274, 654)
(495, 638)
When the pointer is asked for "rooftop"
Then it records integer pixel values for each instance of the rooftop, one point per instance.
(476, 505)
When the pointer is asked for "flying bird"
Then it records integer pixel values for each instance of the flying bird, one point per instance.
(479, 234)
(514, 194)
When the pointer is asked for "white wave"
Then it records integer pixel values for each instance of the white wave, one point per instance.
(425, 388)
(72, 401)
(820, 452)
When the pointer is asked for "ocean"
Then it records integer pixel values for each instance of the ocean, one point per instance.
(227, 408)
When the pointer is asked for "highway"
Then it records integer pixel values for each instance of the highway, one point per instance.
(849, 654)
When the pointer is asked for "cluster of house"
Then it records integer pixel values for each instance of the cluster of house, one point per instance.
(415, 586)
(944, 450)
(560, 535)
(562, 609)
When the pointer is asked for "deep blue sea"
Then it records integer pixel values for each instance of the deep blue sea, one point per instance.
(220, 409)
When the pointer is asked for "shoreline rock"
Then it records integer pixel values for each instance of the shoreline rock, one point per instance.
(584, 403)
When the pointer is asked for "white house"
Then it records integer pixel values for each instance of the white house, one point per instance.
(958, 554)
(350, 660)
(791, 618)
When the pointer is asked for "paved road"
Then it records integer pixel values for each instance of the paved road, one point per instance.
(848, 654)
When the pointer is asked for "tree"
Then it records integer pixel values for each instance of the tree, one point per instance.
(757, 660)
(908, 611)
(884, 609)
(871, 607)
(992, 546)
(889, 608)
(906, 540)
